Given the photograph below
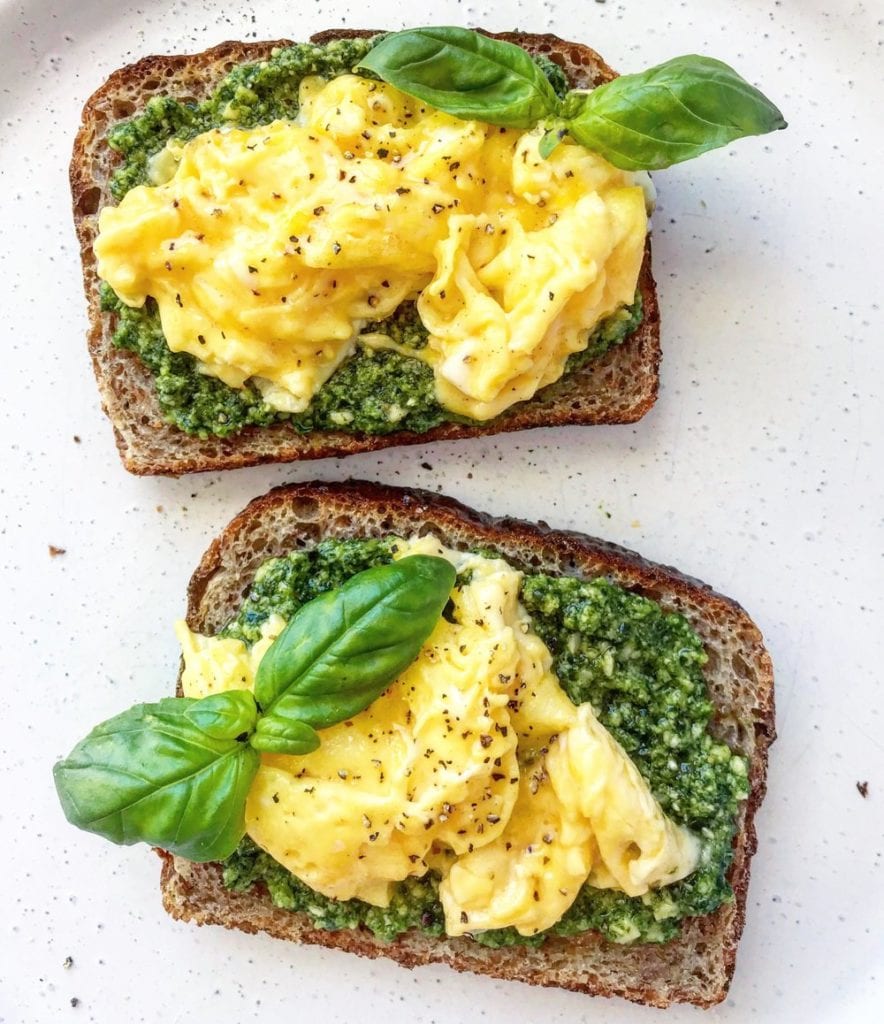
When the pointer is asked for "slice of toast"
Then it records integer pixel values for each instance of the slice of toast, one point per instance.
(696, 967)
(619, 387)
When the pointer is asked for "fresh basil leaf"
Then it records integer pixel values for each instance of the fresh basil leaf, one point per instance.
(669, 113)
(344, 648)
(281, 734)
(465, 74)
(151, 775)
(224, 716)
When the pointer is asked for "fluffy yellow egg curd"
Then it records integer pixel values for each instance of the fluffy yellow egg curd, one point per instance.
(474, 763)
(269, 250)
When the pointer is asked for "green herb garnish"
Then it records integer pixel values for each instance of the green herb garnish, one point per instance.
(669, 113)
(344, 648)
(647, 121)
(154, 775)
(176, 774)
(465, 74)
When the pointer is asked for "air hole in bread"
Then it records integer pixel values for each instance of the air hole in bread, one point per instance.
(306, 508)
(123, 108)
(740, 667)
(89, 201)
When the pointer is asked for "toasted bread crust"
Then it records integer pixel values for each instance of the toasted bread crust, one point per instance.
(695, 968)
(619, 387)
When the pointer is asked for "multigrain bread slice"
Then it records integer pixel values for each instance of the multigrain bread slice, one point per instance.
(695, 968)
(620, 387)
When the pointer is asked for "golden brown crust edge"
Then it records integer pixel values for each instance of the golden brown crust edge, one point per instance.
(695, 968)
(618, 388)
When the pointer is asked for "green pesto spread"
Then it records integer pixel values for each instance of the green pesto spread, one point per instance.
(372, 392)
(375, 391)
(251, 95)
(642, 670)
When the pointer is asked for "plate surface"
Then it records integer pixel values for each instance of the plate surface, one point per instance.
(760, 470)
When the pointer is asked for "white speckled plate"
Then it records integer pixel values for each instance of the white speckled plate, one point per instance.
(760, 470)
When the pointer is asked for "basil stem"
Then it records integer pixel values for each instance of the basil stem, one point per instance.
(549, 142)
(153, 775)
(465, 74)
(669, 113)
(344, 648)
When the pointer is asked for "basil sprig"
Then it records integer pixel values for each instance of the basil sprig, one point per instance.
(177, 774)
(669, 113)
(465, 74)
(646, 121)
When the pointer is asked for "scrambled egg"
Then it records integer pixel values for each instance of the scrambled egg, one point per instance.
(474, 763)
(269, 250)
